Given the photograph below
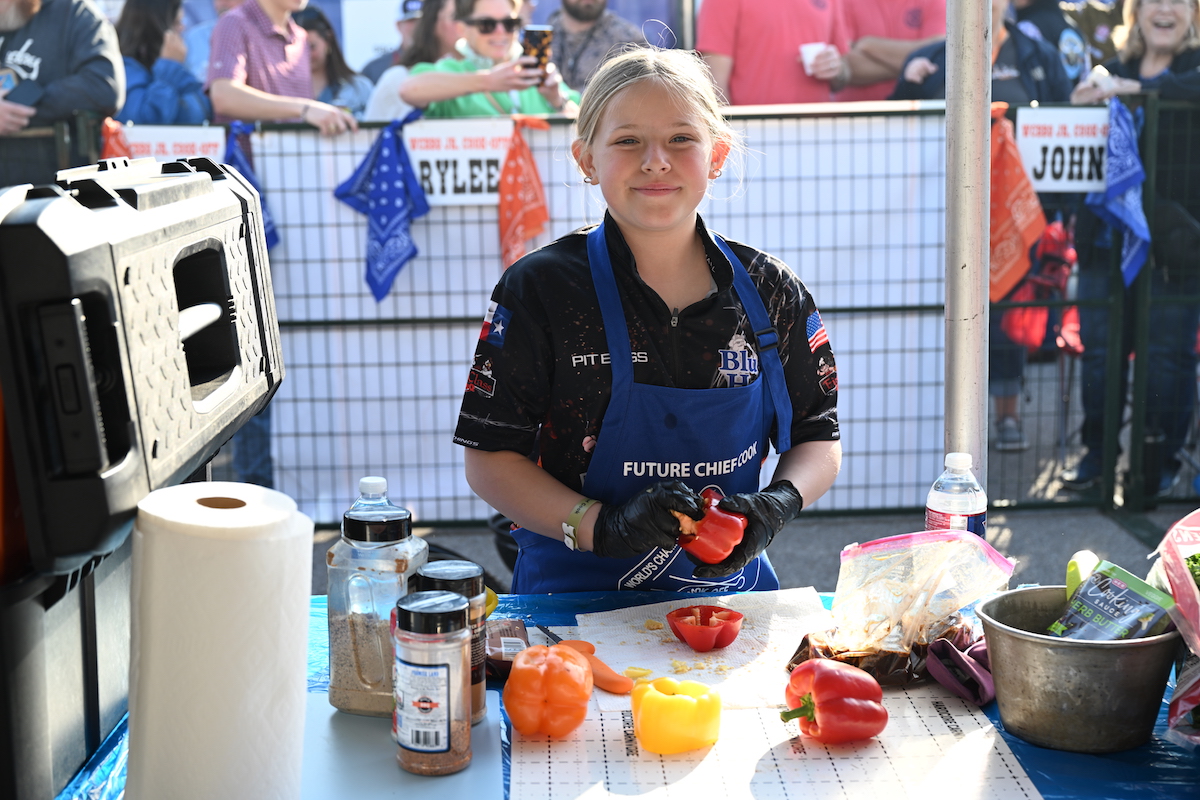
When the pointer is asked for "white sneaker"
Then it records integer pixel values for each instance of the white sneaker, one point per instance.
(1009, 436)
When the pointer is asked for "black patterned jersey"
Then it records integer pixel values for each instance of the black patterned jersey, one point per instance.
(540, 381)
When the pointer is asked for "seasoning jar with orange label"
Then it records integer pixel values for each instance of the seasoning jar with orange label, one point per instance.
(369, 570)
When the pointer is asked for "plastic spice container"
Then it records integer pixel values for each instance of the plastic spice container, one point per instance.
(369, 570)
(431, 722)
(465, 578)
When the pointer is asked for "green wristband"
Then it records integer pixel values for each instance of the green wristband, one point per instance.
(570, 538)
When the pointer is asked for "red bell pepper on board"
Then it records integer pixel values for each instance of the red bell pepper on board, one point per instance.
(834, 701)
(713, 538)
(705, 628)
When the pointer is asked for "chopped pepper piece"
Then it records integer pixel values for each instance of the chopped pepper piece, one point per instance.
(671, 716)
(835, 702)
(548, 690)
(713, 537)
(705, 628)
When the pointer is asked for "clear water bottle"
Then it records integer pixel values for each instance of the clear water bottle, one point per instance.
(369, 570)
(956, 500)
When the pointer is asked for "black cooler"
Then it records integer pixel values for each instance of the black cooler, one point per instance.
(137, 334)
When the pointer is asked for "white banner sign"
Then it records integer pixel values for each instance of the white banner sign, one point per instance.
(1063, 148)
(458, 161)
(173, 142)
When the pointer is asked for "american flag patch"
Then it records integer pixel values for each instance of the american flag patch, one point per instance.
(815, 329)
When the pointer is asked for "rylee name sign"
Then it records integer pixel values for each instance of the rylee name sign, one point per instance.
(1063, 148)
(458, 161)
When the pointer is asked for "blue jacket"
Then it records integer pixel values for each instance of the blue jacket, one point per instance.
(1042, 73)
(170, 95)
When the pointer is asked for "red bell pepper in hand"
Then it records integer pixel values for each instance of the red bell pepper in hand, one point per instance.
(834, 701)
(713, 538)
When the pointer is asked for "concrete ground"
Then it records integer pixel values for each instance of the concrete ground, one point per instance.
(806, 552)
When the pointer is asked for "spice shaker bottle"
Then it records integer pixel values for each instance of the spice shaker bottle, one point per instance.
(369, 570)
(432, 718)
(465, 578)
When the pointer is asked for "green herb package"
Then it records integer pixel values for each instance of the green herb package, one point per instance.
(1112, 604)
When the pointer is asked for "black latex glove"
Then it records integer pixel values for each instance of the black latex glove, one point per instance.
(644, 521)
(766, 513)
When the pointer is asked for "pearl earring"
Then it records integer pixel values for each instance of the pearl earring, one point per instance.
(716, 172)
(589, 179)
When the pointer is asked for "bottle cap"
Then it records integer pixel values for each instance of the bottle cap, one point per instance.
(372, 484)
(463, 577)
(958, 460)
(388, 524)
(432, 612)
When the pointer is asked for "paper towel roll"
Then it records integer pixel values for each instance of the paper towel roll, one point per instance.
(222, 574)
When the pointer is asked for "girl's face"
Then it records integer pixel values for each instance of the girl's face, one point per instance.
(1165, 23)
(496, 44)
(653, 157)
(318, 50)
(447, 30)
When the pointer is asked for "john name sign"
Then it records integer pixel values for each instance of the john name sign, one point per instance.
(458, 161)
(1063, 148)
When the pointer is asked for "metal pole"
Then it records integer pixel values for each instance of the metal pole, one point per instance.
(687, 24)
(968, 188)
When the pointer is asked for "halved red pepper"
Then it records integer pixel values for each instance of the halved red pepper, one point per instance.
(835, 702)
(714, 536)
(705, 628)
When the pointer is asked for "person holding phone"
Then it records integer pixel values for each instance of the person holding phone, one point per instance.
(57, 58)
(492, 77)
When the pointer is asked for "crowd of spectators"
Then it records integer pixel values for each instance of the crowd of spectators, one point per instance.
(282, 60)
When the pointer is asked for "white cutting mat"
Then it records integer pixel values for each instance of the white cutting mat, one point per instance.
(750, 673)
(935, 745)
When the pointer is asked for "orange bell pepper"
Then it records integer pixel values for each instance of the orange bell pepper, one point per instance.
(671, 716)
(548, 690)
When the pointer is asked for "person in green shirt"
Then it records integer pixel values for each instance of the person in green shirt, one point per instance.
(492, 78)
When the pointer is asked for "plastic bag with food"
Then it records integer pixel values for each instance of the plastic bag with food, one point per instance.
(896, 595)
(1178, 571)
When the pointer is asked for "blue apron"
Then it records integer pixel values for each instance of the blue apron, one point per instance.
(703, 437)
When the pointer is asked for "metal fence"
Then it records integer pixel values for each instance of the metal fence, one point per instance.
(850, 196)
(852, 199)
(1138, 336)
(853, 202)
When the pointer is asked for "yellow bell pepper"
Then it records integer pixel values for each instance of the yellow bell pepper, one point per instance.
(671, 716)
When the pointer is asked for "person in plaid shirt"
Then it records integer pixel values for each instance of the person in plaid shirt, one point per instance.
(259, 69)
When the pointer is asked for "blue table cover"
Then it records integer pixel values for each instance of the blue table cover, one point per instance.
(1159, 770)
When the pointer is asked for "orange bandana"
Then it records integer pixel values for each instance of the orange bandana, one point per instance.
(113, 142)
(523, 210)
(1016, 213)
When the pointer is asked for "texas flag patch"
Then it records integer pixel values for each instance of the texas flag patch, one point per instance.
(495, 325)
(815, 329)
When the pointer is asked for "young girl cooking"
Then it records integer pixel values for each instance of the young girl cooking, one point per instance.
(645, 359)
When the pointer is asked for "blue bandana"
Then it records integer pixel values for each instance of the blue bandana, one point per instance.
(235, 158)
(385, 188)
(1120, 204)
